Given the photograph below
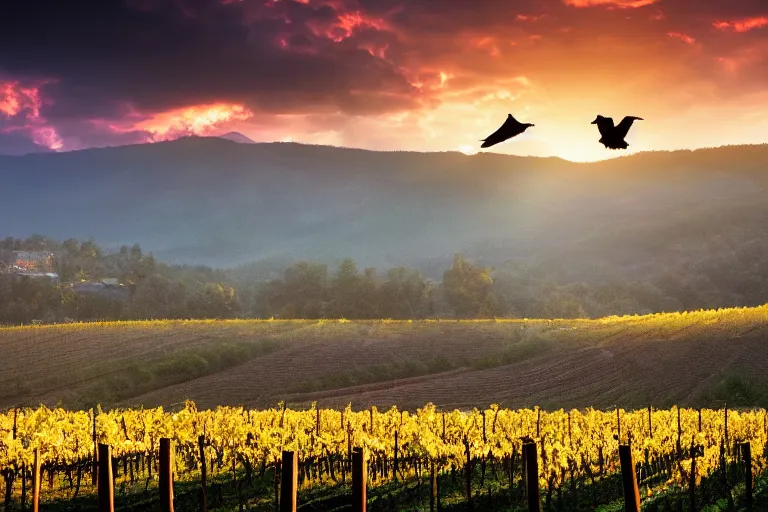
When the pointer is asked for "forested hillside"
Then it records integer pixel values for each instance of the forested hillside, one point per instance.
(313, 231)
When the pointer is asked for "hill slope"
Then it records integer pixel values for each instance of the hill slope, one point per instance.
(214, 201)
(687, 359)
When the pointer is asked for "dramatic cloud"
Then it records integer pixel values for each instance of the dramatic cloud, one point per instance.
(382, 74)
(622, 4)
(683, 37)
(20, 107)
(198, 120)
(744, 25)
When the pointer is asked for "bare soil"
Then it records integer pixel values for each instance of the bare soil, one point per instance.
(601, 363)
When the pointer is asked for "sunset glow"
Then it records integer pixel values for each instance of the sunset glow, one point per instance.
(197, 120)
(337, 72)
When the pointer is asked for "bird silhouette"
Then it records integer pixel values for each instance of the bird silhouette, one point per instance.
(509, 129)
(613, 136)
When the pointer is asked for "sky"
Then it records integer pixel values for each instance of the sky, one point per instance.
(423, 75)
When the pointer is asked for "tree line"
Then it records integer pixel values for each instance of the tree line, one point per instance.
(150, 289)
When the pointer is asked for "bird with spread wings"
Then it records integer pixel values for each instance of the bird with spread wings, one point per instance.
(613, 136)
(509, 129)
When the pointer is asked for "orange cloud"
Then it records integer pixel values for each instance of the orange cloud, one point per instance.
(22, 105)
(683, 37)
(14, 99)
(744, 25)
(48, 137)
(196, 120)
(488, 44)
(621, 4)
(349, 22)
(528, 17)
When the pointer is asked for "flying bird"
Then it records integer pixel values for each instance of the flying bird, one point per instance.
(509, 129)
(613, 136)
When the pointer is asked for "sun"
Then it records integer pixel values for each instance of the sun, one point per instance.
(468, 150)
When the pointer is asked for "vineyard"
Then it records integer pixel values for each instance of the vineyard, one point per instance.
(231, 458)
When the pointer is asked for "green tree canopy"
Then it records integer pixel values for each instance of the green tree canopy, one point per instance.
(468, 289)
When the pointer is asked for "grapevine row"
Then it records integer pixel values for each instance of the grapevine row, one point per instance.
(573, 446)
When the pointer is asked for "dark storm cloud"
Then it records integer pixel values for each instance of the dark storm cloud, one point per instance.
(164, 55)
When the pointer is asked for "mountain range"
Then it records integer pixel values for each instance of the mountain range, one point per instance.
(217, 202)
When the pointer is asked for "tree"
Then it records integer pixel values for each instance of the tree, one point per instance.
(213, 301)
(300, 293)
(405, 294)
(468, 289)
(158, 297)
(351, 294)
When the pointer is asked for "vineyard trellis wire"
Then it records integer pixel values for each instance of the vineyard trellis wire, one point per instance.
(474, 453)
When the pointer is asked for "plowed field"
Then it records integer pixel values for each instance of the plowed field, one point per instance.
(630, 361)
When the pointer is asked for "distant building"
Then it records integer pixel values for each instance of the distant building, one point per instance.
(30, 264)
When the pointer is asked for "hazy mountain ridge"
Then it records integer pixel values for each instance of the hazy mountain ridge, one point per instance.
(214, 201)
(237, 137)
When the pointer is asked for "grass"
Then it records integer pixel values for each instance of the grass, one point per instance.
(738, 391)
(517, 353)
(142, 376)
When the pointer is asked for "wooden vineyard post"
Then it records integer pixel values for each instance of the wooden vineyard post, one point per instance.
(370, 431)
(629, 479)
(95, 467)
(443, 426)
(538, 422)
(23, 487)
(433, 499)
(106, 484)
(692, 482)
(359, 478)
(6, 472)
(650, 422)
(289, 482)
(166, 475)
(36, 482)
(201, 446)
(532, 476)
(746, 451)
(468, 473)
(395, 462)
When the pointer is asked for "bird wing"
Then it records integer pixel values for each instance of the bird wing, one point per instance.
(623, 128)
(606, 126)
(501, 133)
(507, 130)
